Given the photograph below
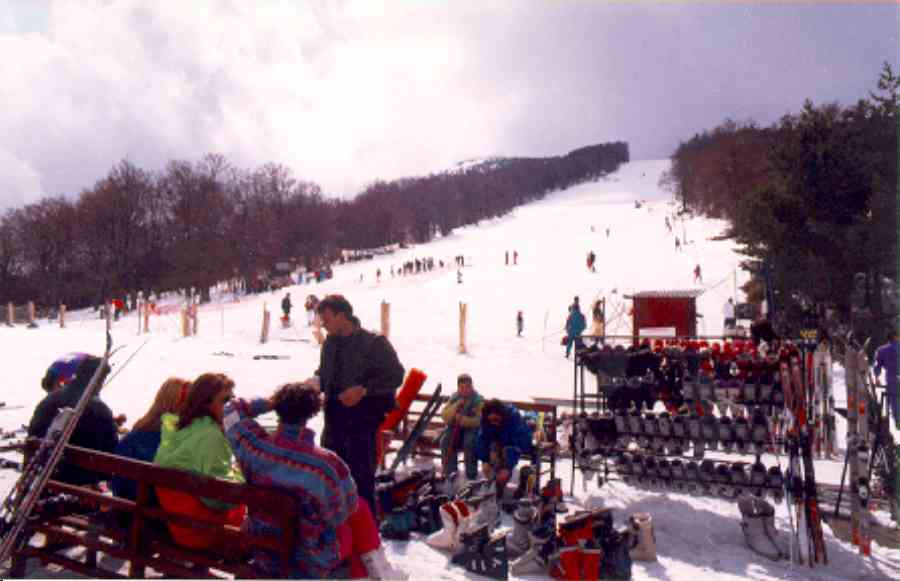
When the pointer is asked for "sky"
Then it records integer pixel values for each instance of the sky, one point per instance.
(347, 92)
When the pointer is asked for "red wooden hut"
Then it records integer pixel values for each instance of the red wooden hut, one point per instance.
(665, 309)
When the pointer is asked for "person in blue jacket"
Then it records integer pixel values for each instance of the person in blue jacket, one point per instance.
(503, 438)
(575, 326)
(886, 358)
(142, 441)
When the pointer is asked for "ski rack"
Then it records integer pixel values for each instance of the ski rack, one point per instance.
(798, 484)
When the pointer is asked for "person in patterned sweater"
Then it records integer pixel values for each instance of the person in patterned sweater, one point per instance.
(337, 535)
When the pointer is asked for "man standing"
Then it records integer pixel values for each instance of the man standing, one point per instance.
(886, 358)
(462, 414)
(359, 373)
(728, 314)
(575, 326)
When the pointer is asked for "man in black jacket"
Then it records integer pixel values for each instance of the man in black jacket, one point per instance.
(359, 373)
(66, 380)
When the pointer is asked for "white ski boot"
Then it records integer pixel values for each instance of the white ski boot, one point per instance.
(518, 541)
(455, 516)
(642, 526)
(758, 524)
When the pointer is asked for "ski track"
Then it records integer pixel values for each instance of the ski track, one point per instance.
(697, 538)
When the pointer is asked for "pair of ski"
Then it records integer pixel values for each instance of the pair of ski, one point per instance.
(800, 483)
(857, 367)
(428, 413)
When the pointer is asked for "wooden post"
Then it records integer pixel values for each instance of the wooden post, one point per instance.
(146, 306)
(463, 308)
(107, 312)
(10, 314)
(264, 334)
(386, 319)
(185, 328)
(62, 316)
(317, 333)
(194, 319)
(30, 313)
(139, 309)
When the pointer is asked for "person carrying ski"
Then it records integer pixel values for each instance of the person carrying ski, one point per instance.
(503, 438)
(359, 373)
(575, 326)
(462, 414)
(97, 429)
(886, 358)
(336, 528)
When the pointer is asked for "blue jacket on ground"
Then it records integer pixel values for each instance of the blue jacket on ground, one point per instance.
(576, 323)
(513, 435)
(137, 446)
(886, 358)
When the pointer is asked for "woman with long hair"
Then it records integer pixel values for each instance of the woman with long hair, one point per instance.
(142, 441)
(193, 441)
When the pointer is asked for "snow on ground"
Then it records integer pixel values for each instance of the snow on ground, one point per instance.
(697, 537)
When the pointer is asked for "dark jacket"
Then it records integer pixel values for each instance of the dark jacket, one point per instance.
(286, 304)
(95, 430)
(886, 358)
(362, 358)
(575, 324)
(136, 445)
(513, 435)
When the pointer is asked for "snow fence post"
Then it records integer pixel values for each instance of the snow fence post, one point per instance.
(30, 313)
(386, 319)
(10, 314)
(185, 329)
(146, 317)
(463, 308)
(139, 309)
(62, 316)
(264, 334)
(194, 319)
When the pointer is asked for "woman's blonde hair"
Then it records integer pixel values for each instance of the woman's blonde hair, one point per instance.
(169, 398)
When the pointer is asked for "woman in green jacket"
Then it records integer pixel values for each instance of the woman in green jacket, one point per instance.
(194, 441)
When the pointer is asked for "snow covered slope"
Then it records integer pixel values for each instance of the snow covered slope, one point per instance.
(697, 538)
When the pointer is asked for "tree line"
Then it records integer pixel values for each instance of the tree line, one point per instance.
(812, 201)
(197, 223)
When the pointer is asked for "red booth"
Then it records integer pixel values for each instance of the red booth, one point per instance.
(665, 309)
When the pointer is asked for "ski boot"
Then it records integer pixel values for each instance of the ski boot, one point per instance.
(694, 429)
(399, 523)
(740, 479)
(726, 434)
(428, 513)
(742, 440)
(487, 507)
(709, 430)
(758, 478)
(665, 425)
(760, 432)
(539, 557)
(678, 476)
(524, 519)
(748, 393)
(758, 524)
(641, 525)
(664, 473)
(483, 554)
(723, 487)
(764, 393)
(679, 427)
(651, 476)
(775, 484)
(651, 425)
(622, 428)
(552, 498)
(455, 518)
(707, 477)
(624, 467)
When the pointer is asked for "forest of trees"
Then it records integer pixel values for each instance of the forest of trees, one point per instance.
(194, 224)
(812, 201)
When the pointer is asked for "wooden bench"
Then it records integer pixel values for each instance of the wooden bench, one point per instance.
(545, 445)
(133, 533)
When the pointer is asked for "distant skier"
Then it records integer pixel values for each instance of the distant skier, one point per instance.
(698, 278)
(286, 307)
(677, 244)
(515, 257)
(312, 301)
(668, 225)
(378, 275)
(507, 258)
(575, 326)
(520, 324)
(458, 276)
(591, 258)
(607, 231)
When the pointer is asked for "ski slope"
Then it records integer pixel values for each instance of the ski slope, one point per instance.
(697, 537)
